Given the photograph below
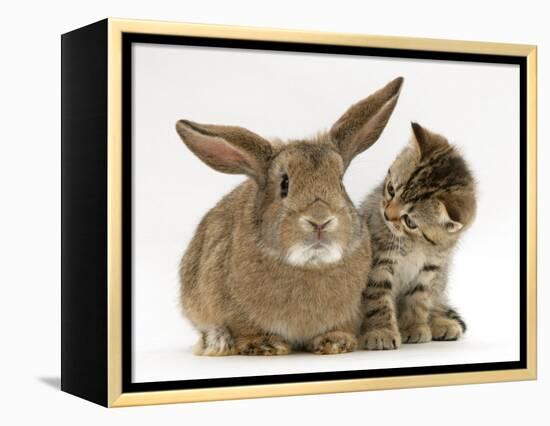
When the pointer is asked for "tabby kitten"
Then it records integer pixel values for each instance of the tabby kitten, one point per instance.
(416, 217)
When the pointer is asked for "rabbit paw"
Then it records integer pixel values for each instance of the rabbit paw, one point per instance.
(418, 333)
(446, 329)
(215, 341)
(384, 338)
(333, 342)
(262, 345)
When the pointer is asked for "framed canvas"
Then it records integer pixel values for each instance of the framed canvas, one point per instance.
(374, 224)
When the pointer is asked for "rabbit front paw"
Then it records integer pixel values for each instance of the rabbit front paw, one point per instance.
(262, 345)
(333, 342)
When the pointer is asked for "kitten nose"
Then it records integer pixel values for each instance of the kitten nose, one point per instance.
(391, 212)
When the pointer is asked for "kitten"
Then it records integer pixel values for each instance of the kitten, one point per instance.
(416, 217)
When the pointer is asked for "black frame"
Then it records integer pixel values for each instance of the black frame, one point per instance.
(84, 212)
(129, 38)
(84, 190)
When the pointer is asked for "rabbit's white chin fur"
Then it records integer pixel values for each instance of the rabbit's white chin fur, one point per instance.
(301, 255)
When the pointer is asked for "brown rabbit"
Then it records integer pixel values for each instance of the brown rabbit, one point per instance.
(281, 261)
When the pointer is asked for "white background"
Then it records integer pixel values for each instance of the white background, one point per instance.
(30, 173)
(294, 95)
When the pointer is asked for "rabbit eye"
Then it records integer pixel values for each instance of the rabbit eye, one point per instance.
(409, 222)
(391, 190)
(284, 186)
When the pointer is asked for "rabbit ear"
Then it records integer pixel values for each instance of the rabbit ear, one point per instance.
(362, 124)
(426, 141)
(227, 149)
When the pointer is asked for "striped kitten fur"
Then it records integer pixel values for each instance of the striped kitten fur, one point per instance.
(415, 218)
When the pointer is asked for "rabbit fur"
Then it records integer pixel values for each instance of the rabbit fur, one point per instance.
(281, 262)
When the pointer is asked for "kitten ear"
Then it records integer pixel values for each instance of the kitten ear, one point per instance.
(363, 123)
(446, 221)
(227, 149)
(452, 226)
(426, 141)
(456, 211)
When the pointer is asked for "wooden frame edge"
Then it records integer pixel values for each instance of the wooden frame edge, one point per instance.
(114, 213)
(532, 211)
(312, 388)
(317, 37)
(116, 27)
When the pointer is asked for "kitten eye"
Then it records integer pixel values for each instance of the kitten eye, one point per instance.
(409, 222)
(284, 186)
(391, 190)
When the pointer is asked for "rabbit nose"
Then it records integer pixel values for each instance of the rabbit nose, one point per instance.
(319, 226)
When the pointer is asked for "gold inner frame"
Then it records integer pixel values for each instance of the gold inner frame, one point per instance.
(116, 27)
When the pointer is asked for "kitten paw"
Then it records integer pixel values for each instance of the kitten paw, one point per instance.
(262, 345)
(446, 330)
(416, 334)
(333, 342)
(380, 339)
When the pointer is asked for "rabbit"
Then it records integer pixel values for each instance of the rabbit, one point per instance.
(280, 263)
